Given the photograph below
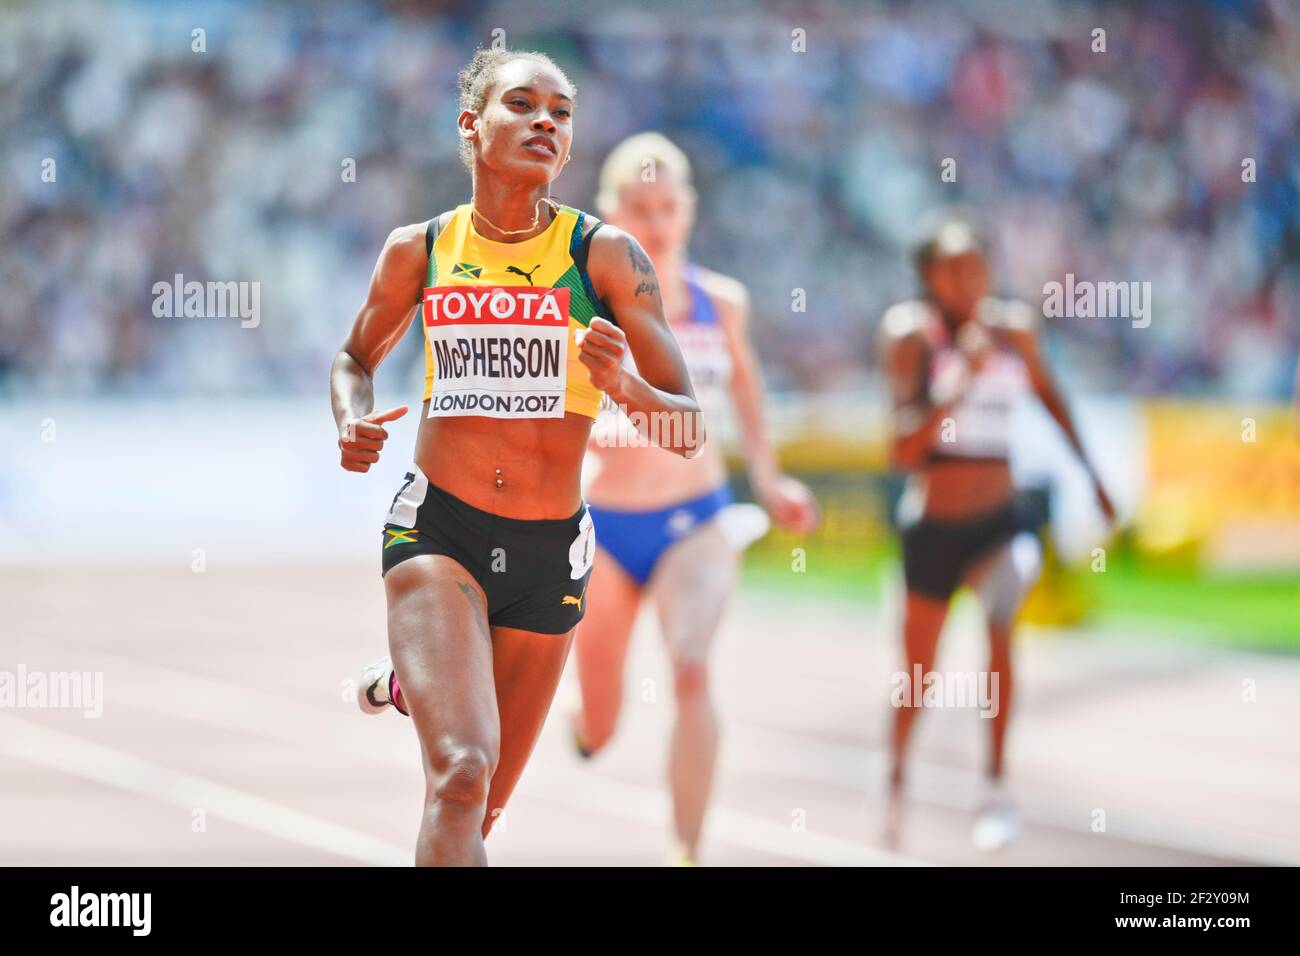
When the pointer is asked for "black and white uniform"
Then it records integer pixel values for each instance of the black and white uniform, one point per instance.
(938, 555)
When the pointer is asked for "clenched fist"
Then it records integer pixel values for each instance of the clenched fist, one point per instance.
(790, 503)
(601, 350)
(360, 439)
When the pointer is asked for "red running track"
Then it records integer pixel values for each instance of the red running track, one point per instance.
(228, 736)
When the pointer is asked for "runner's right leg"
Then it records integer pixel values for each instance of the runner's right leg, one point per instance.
(923, 619)
(441, 648)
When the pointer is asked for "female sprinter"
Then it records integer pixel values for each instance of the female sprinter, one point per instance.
(658, 515)
(956, 363)
(487, 548)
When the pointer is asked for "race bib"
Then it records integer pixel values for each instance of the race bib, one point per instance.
(498, 351)
(708, 360)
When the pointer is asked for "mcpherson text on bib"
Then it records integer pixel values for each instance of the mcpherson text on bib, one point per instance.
(498, 351)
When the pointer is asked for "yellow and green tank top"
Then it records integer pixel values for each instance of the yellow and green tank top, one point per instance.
(501, 318)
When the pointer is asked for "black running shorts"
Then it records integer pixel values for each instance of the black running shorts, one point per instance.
(534, 573)
(937, 555)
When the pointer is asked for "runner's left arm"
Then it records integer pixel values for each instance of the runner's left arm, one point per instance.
(1021, 331)
(790, 502)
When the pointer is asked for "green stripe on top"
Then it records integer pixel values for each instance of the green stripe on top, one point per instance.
(580, 305)
(582, 299)
(431, 279)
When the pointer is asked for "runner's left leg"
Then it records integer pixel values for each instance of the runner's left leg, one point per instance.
(526, 667)
(691, 586)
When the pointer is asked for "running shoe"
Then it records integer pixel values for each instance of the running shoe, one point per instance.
(998, 823)
(374, 685)
(579, 747)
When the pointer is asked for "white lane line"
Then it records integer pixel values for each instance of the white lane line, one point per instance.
(125, 771)
(229, 706)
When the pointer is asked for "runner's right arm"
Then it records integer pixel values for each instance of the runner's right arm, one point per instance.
(915, 419)
(919, 410)
(395, 288)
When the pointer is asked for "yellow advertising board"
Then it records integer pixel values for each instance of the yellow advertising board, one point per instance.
(1223, 482)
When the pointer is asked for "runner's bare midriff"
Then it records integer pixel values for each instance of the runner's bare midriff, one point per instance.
(517, 468)
(958, 489)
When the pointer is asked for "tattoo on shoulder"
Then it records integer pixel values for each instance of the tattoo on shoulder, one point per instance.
(642, 265)
(640, 261)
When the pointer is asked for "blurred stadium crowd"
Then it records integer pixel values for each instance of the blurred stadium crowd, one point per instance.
(813, 170)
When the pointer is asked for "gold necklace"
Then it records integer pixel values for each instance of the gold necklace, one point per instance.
(555, 208)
